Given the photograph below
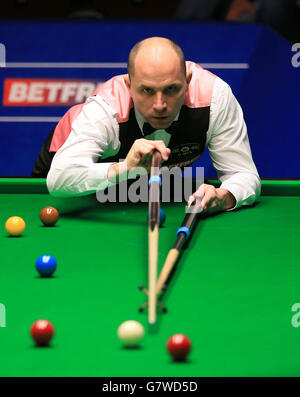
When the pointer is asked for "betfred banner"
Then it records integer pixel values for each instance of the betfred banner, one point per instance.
(46, 92)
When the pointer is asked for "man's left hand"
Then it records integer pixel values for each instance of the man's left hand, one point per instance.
(213, 199)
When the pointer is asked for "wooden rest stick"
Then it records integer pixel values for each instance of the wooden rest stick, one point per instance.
(182, 235)
(165, 271)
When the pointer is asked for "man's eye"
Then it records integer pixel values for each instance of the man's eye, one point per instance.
(172, 89)
(148, 90)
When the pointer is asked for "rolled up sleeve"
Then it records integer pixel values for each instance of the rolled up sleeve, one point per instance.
(75, 168)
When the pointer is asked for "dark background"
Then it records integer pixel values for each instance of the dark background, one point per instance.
(281, 15)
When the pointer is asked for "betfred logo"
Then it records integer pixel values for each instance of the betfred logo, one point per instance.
(46, 92)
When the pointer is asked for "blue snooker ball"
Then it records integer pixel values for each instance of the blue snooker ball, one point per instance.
(162, 217)
(46, 265)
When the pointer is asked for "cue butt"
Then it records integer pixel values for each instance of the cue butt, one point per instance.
(156, 159)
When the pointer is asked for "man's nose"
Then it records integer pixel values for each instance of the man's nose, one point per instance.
(159, 104)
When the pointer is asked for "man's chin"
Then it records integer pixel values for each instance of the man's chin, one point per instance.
(160, 124)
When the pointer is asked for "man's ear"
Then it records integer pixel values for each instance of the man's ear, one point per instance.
(127, 80)
(189, 75)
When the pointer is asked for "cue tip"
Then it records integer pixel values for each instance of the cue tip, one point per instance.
(152, 327)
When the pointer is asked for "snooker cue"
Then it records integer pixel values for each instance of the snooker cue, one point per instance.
(153, 234)
(182, 236)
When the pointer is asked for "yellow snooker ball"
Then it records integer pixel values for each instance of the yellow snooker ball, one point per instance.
(15, 226)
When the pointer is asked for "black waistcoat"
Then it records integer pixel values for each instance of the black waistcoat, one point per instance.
(187, 143)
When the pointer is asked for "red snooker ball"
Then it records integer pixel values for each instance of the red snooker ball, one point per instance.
(179, 347)
(42, 332)
(49, 216)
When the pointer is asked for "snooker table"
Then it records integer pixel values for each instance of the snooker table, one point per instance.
(232, 293)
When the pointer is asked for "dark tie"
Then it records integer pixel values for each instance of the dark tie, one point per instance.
(148, 129)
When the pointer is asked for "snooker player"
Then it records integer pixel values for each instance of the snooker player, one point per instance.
(163, 103)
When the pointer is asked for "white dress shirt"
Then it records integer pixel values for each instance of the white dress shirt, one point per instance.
(75, 169)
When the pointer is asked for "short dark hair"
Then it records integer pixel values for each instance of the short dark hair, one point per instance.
(135, 49)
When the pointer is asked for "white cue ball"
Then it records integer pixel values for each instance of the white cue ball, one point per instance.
(131, 333)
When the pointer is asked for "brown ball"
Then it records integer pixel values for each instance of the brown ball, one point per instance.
(49, 216)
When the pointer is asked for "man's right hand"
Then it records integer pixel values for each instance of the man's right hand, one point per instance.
(138, 156)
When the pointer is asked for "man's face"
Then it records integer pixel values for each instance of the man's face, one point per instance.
(158, 91)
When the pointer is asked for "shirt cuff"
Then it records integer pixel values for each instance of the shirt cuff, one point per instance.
(97, 175)
(241, 196)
